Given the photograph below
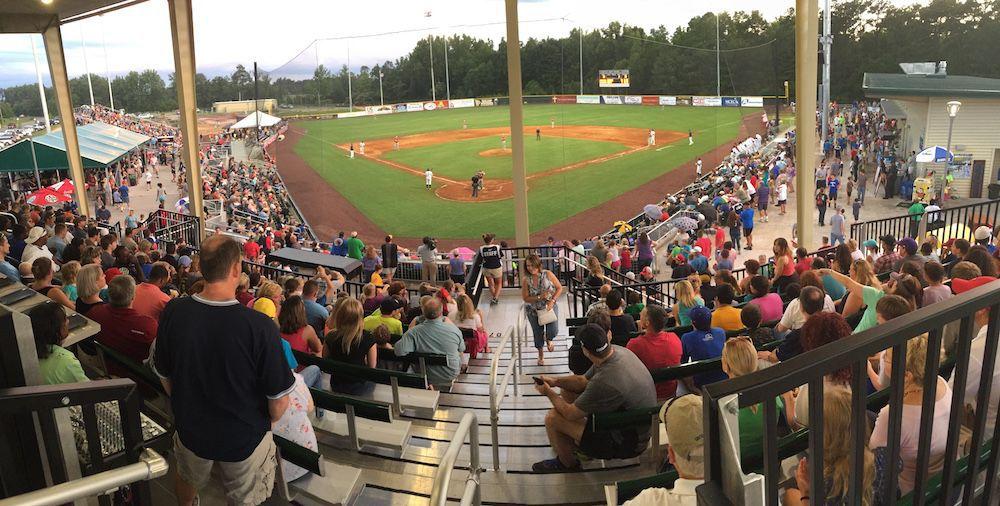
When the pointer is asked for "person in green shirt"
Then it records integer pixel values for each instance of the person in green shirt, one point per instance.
(858, 295)
(739, 358)
(56, 364)
(916, 211)
(355, 248)
(387, 314)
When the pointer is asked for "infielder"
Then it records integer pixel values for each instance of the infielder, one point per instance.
(428, 178)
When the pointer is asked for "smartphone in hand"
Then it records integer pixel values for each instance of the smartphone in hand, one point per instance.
(538, 381)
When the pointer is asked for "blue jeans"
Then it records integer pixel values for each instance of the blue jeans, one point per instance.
(543, 333)
(836, 238)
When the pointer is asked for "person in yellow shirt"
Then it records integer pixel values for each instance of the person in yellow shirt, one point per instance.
(388, 314)
(268, 298)
(725, 315)
(376, 278)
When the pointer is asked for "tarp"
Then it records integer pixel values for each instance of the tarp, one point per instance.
(101, 145)
(250, 121)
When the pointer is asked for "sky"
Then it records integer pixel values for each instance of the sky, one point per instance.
(279, 35)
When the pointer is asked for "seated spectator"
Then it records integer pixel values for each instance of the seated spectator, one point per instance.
(149, 296)
(468, 317)
(347, 342)
(679, 268)
(243, 294)
(793, 317)
(889, 256)
(725, 316)
(35, 247)
(935, 291)
(770, 304)
(739, 358)
(42, 274)
(295, 329)
(888, 308)
(811, 302)
(685, 292)
(978, 255)
(907, 250)
(50, 327)
(635, 304)
(90, 283)
(618, 381)
(682, 418)
(751, 268)
(268, 299)
(822, 329)
(698, 262)
(657, 349)
(124, 329)
(295, 426)
(388, 314)
(600, 303)
(750, 317)
(434, 334)
(977, 357)
(68, 275)
(316, 314)
(703, 343)
(622, 324)
(837, 459)
(914, 382)
(802, 260)
(371, 297)
(6, 268)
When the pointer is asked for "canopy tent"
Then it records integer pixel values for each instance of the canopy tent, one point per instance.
(251, 120)
(101, 145)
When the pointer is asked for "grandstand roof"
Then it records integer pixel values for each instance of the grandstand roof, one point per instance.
(101, 144)
(918, 85)
(32, 16)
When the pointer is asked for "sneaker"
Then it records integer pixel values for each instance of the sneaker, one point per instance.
(552, 466)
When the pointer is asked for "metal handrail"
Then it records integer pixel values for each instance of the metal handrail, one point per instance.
(497, 395)
(469, 426)
(151, 465)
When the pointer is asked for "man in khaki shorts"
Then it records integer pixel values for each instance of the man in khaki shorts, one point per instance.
(228, 379)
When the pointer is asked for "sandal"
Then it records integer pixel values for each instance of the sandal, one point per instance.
(552, 466)
(551, 346)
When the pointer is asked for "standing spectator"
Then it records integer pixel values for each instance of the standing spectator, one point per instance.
(540, 290)
(491, 254)
(703, 343)
(207, 348)
(655, 348)
(434, 334)
(390, 258)
(456, 268)
(355, 248)
(428, 260)
(916, 212)
(746, 219)
(822, 202)
(977, 356)
(838, 227)
(834, 185)
(784, 266)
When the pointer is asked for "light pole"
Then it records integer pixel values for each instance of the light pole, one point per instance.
(381, 98)
(953, 107)
(447, 79)
(827, 40)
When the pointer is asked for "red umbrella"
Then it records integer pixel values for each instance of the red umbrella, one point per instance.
(64, 186)
(46, 197)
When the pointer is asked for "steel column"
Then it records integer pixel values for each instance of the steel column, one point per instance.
(521, 230)
(805, 115)
(182, 36)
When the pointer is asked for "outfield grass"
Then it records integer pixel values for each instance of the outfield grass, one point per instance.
(460, 159)
(399, 203)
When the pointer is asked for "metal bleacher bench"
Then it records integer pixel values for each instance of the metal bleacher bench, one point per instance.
(326, 483)
(398, 389)
(363, 422)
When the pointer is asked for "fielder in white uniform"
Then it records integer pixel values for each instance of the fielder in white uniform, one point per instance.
(428, 178)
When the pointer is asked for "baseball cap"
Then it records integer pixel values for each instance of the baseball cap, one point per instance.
(701, 317)
(593, 338)
(390, 304)
(184, 260)
(870, 243)
(909, 244)
(983, 233)
(697, 249)
(680, 259)
(683, 420)
(959, 285)
(647, 270)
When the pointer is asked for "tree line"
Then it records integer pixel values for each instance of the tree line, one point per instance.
(756, 56)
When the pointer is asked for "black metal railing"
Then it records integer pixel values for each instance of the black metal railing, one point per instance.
(957, 222)
(723, 484)
(171, 227)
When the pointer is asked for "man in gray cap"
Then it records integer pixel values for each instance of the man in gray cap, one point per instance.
(686, 451)
(618, 381)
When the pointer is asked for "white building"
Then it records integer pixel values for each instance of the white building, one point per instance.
(918, 102)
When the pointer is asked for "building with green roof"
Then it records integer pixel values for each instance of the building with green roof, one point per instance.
(919, 103)
(101, 145)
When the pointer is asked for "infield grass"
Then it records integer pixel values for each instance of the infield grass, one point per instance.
(399, 203)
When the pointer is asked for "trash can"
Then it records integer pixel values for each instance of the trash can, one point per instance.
(994, 190)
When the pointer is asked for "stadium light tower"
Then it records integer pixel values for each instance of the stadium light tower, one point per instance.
(827, 41)
(381, 98)
(107, 72)
(41, 88)
(430, 49)
(86, 67)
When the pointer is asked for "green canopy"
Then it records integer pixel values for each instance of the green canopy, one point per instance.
(101, 145)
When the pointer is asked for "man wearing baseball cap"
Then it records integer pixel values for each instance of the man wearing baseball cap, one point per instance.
(984, 235)
(618, 381)
(889, 256)
(702, 343)
(682, 418)
(680, 268)
(387, 314)
(907, 250)
(978, 352)
(698, 261)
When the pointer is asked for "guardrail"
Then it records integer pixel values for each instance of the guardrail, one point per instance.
(969, 216)
(497, 395)
(468, 427)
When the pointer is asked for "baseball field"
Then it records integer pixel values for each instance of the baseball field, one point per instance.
(586, 165)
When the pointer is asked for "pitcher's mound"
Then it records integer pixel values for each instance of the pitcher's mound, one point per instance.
(462, 192)
(495, 152)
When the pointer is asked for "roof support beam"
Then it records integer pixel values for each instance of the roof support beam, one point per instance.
(182, 35)
(60, 83)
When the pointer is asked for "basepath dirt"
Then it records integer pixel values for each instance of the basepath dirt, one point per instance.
(328, 211)
(496, 152)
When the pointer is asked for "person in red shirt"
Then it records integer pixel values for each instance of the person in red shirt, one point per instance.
(803, 262)
(149, 297)
(705, 243)
(720, 238)
(655, 348)
(251, 250)
(124, 329)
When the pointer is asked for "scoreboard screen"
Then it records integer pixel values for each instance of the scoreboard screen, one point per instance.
(613, 78)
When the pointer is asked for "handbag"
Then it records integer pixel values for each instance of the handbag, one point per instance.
(545, 316)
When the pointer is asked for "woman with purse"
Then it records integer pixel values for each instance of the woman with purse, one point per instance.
(540, 289)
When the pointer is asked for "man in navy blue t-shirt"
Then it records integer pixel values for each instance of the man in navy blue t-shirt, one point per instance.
(228, 379)
(702, 343)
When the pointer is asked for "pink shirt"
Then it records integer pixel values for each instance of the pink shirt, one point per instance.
(770, 307)
(149, 300)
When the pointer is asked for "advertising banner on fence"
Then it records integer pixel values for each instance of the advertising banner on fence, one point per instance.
(633, 99)
(414, 106)
(588, 99)
(668, 100)
(752, 101)
(698, 101)
(400, 107)
(713, 101)
(617, 78)
(379, 109)
(564, 99)
(462, 103)
(650, 100)
(684, 101)
(730, 101)
(486, 102)
(612, 99)
(353, 114)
